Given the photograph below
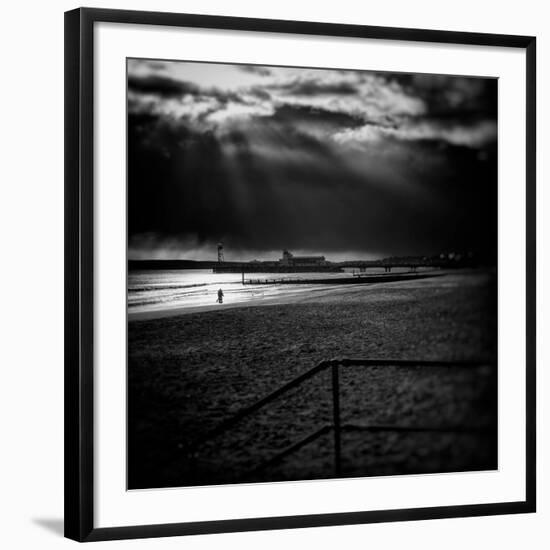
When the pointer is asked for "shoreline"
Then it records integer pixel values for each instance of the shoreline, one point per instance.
(317, 293)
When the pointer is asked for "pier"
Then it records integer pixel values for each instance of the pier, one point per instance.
(353, 280)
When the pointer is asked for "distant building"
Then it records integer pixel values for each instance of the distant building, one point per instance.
(289, 260)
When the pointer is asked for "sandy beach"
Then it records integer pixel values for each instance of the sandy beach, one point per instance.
(190, 370)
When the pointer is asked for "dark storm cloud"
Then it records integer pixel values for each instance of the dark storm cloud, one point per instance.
(313, 88)
(260, 93)
(170, 88)
(453, 97)
(155, 65)
(161, 86)
(400, 165)
(313, 120)
(255, 69)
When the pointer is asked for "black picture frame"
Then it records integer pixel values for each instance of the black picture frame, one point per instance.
(79, 265)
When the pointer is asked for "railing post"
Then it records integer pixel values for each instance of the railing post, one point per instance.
(336, 418)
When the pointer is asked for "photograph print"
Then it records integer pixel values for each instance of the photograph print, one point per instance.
(312, 273)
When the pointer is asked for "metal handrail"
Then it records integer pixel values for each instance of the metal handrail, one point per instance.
(230, 422)
(336, 426)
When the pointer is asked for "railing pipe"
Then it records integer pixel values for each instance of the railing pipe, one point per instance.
(262, 402)
(334, 365)
(336, 420)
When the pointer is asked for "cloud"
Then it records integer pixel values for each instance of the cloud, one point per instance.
(475, 136)
(370, 97)
(205, 106)
(255, 69)
(454, 96)
(315, 88)
(161, 86)
(239, 110)
(415, 106)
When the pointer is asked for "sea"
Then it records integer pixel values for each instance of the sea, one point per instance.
(155, 290)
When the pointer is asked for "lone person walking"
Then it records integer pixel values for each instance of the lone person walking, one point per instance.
(220, 296)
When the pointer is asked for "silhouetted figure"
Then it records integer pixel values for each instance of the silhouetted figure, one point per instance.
(220, 296)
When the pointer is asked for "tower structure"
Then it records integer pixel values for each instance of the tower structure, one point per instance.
(220, 253)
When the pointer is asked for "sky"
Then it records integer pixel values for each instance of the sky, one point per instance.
(348, 164)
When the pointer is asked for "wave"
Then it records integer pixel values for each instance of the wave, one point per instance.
(160, 286)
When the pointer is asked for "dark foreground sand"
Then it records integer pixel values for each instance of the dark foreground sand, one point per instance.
(190, 372)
